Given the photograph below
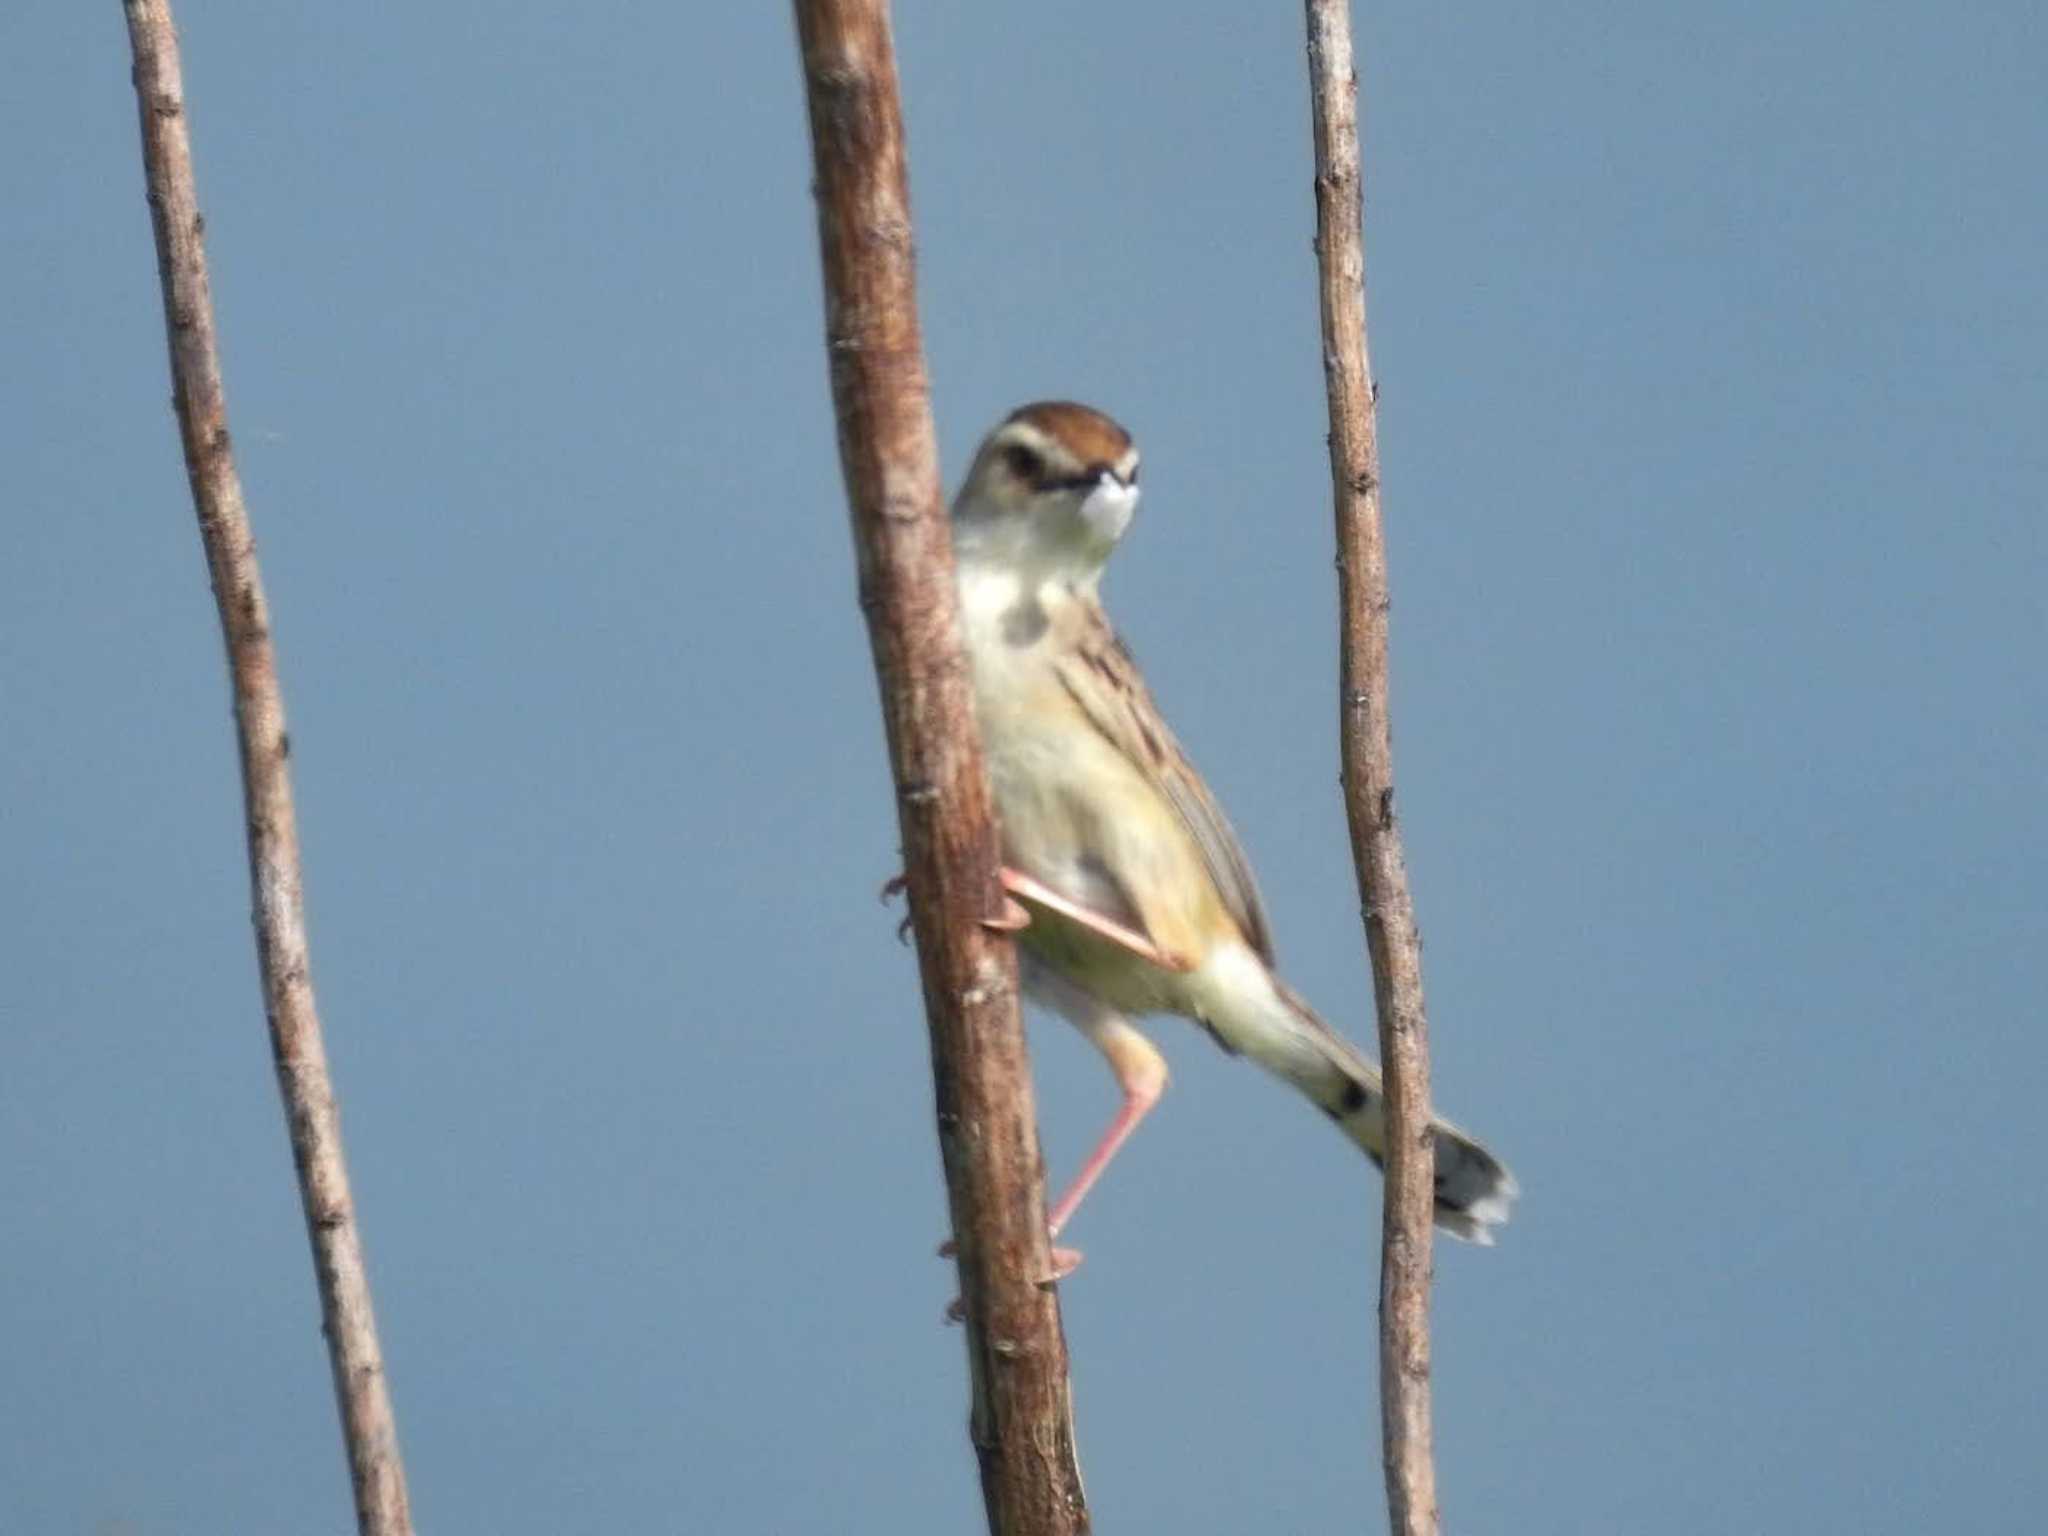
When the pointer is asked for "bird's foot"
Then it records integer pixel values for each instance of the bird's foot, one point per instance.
(1011, 919)
(1017, 883)
(1064, 1262)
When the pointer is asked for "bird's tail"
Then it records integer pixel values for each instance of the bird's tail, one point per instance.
(1250, 1010)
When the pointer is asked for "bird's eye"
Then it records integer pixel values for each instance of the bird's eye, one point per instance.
(1024, 463)
(1134, 475)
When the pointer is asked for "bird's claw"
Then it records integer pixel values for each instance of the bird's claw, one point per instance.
(893, 887)
(1064, 1262)
(1012, 919)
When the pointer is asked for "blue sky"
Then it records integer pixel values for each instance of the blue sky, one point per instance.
(1710, 345)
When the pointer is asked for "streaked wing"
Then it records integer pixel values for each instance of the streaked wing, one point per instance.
(1100, 675)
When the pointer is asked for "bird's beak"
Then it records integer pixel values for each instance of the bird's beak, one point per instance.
(1108, 509)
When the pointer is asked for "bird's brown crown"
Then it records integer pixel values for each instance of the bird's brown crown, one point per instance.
(1087, 434)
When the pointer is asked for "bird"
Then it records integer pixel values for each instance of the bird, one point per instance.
(1128, 891)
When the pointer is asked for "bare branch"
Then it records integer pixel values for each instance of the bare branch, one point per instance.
(311, 1117)
(1367, 742)
(1022, 1418)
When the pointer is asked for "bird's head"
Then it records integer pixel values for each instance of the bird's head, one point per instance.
(1054, 486)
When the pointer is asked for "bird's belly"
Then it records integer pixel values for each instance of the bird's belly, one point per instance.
(1100, 967)
(1075, 816)
(1072, 813)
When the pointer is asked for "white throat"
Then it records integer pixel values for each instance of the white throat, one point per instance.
(1108, 509)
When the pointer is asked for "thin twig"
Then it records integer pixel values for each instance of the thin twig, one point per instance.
(1022, 1417)
(1367, 742)
(311, 1118)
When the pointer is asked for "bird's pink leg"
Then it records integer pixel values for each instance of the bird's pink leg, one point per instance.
(1020, 884)
(1141, 1073)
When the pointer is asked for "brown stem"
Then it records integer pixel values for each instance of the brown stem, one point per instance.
(1022, 1415)
(1368, 751)
(311, 1118)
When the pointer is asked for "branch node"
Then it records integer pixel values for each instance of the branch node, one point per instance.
(902, 507)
